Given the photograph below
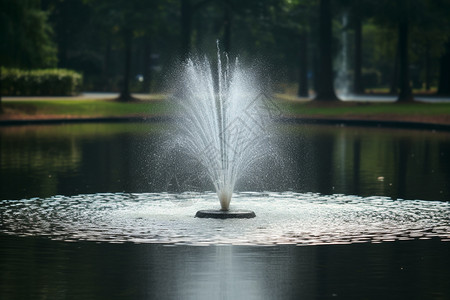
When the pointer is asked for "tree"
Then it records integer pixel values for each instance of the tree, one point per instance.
(290, 26)
(405, 94)
(325, 90)
(188, 9)
(358, 87)
(398, 14)
(128, 19)
(422, 28)
(303, 65)
(25, 36)
(186, 27)
(444, 76)
(359, 11)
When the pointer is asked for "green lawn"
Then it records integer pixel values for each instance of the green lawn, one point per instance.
(312, 108)
(84, 108)
(109, 108)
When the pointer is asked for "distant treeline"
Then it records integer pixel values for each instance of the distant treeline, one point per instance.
(134, 45)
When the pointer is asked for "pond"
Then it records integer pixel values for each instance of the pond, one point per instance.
(42, 161)
(361, 175)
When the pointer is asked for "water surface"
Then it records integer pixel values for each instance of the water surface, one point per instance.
(43, 161)
(84, 215)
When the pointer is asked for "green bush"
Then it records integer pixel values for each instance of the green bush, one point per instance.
(45, 82)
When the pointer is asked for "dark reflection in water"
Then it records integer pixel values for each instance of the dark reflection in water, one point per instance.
(41, 161)
(403, 164)
(33, 268)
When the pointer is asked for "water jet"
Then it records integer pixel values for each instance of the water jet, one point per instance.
(223, 123)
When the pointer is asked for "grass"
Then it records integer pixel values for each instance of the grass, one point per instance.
(312, 108)
(83, 108)
(107, 108)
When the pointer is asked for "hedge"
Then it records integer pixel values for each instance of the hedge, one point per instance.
(45, 82)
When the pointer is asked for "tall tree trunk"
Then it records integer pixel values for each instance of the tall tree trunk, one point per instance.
(316, 68)
(358, 87)
(303, 66)
(405, 87)
(125, 95)
(107, 65)
(186, 28)
(227, 29)
(325, 90)
(1, 89)
(147, 72)
(444, 75)
(427, 66)
(394, 78)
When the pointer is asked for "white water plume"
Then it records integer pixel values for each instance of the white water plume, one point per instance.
(223, 120)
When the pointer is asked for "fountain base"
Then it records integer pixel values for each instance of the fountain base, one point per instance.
(220, 214)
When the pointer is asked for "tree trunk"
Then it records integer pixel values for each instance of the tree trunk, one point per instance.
(227, 29)
(405, 87)
(358, 87)
(427, 66)
(125, 95)
(186, 28)
(303, 66)
(325, 90)
(444, 75)
(316, 64)
(106, 85)
(394, 78)
(147, 72)
(1, 90)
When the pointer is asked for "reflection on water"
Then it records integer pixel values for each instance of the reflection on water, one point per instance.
(32, 268)
(73, 159)
(42, 161)
(404, 164)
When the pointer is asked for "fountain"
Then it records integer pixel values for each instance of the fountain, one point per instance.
(223, 124)
(126, 213)
(104, 185)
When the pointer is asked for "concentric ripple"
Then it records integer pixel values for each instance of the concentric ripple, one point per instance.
(281, 218)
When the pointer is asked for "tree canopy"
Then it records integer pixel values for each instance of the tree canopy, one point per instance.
(25, 35)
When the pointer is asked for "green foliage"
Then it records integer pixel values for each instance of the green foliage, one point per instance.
(45, 82)
(25, 35)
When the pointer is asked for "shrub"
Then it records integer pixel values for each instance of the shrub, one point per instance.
(45, 82)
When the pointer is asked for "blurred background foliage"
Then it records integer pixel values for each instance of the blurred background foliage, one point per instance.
(136, 44)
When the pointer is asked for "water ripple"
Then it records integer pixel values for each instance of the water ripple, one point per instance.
(282, 218)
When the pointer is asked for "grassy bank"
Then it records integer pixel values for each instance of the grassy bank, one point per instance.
(353, 108)
(18, 109)
(80, 108)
